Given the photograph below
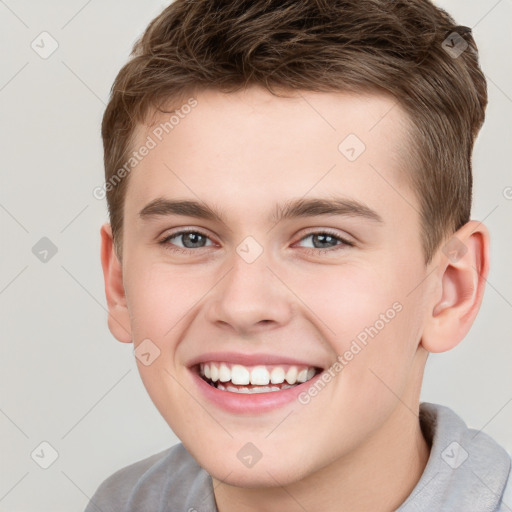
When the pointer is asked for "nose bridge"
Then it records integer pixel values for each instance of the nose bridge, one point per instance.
(250, 294)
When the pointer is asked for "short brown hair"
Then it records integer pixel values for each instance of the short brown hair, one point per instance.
(400, 47)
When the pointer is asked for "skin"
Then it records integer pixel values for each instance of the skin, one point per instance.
(242, 153)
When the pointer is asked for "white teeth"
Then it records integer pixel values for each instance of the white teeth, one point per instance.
(277, 375)
(259, 376)
(302, 375)
(291, 375)
(224, 373)
(239, 375)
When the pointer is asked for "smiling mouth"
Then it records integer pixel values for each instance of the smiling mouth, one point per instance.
(237, 378)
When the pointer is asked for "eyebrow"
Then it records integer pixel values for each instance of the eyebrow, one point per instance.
(294, 208)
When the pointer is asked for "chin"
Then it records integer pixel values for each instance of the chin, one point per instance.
(270, 472)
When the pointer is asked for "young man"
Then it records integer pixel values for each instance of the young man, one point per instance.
(289, 188)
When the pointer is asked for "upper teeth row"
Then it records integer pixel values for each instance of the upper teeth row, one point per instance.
(256, 375)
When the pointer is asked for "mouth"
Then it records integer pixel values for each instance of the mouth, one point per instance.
(237, 378)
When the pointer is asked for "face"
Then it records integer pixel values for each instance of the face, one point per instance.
(273, 273)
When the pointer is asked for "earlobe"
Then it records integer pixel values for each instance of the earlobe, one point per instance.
(463, 268)
(118, 315)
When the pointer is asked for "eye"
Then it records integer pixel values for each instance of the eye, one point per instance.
(325, 241)
(190, 239)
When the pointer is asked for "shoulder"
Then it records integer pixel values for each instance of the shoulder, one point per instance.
(466, 469)
(168, 478)
(506, 499)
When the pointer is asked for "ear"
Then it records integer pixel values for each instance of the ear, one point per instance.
(118, 315)
(463, 266)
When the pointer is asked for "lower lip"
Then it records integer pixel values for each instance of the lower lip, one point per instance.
(250, 403)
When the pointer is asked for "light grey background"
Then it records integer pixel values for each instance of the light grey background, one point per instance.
(64, 378)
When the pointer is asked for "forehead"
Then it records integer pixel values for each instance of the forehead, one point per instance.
(251, 147)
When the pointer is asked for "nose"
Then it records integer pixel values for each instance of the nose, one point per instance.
(250, 298)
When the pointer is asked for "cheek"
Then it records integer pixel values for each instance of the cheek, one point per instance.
(349, 301)
(161, 302)
(371, 322)
(161, 296)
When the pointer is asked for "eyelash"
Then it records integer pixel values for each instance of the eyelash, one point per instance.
(309, 250)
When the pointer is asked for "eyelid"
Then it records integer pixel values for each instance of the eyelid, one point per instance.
(183, 231)
(343, 244)
(347, 239)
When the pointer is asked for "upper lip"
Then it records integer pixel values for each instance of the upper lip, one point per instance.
(250, 359)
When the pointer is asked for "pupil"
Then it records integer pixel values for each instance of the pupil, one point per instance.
(323, 239)
(195, 238)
